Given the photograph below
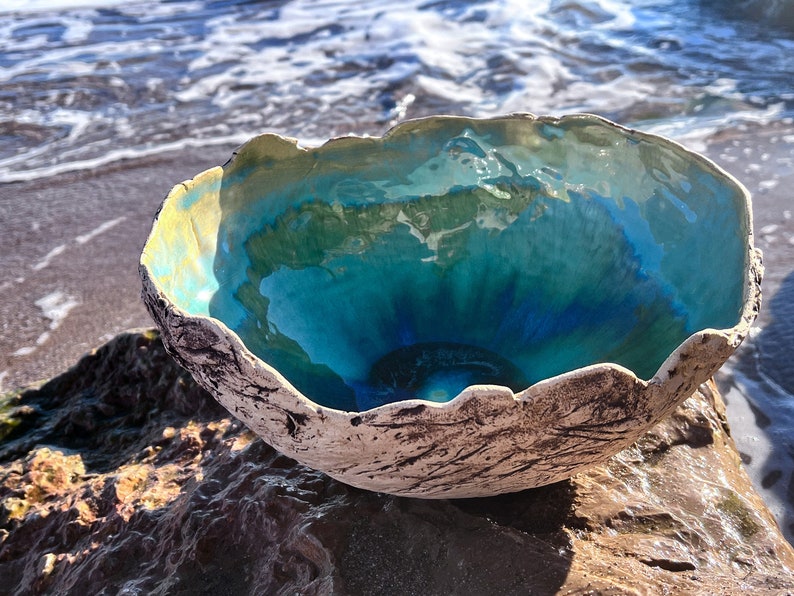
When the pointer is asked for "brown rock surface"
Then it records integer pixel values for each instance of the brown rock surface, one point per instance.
(122, 476)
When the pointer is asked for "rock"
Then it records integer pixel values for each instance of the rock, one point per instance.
(122, 476)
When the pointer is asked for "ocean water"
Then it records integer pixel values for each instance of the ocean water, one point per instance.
(87, 82)
(84, 83)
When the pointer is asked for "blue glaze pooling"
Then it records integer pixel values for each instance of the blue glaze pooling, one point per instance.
(464, 252)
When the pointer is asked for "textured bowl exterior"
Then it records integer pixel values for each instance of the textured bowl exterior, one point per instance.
(486, 441)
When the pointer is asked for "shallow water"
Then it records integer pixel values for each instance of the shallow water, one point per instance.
(85, 83)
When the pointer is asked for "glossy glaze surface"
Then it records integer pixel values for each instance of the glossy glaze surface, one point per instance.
(456, 252)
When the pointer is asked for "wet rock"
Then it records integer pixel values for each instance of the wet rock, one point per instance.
(122, 476)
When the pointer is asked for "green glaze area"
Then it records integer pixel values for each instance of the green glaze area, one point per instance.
(540, 292)
(455, 252)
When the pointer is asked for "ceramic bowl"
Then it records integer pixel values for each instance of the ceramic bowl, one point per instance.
(462, 307)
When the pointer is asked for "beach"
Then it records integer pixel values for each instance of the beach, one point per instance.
(104, 107)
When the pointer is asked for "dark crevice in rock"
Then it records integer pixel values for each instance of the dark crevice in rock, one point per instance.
(669, 565)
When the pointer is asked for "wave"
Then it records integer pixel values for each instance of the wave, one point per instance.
(83, 86)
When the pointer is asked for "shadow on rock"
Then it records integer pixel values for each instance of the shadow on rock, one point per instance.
(497, 545)
(107, 405)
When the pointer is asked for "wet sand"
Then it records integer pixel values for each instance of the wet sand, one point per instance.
(71, 243)
(68, 274)
(758, 381)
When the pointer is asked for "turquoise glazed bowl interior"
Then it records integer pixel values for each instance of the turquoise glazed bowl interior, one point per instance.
(454, 252)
